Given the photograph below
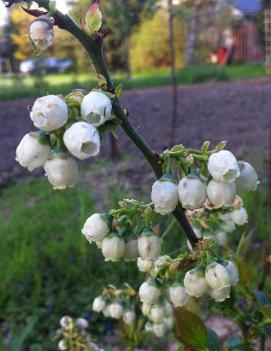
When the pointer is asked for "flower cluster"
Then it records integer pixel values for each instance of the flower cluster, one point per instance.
(121, 233)
(67, 130)
(117, 303)
(73, 335)
(205, 179)
(216, 224)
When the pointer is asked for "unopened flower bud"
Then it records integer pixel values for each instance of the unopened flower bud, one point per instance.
(221, 194)
(113, 247)
(159, 329)
(41, 33)
(223, 166)
(144, 265)
(195, 283)
(164, 195)
(220, 295)
(149, 245)
(96, 108)
(82, 140)
(98, 304)
(96, 227)
(82, 323)
(192, 192)
(240, 216)
(217, 276)
(31, 152)
(49, 113)
(149, 292)
(129, 317)
(146, 309)
(233, 272)
(248, 179)
(62, 171)
(93, 18)
(178, 295)
(157, 313)
(160, 262)
(116, 310)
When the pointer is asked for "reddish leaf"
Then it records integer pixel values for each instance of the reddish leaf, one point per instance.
(35, 13)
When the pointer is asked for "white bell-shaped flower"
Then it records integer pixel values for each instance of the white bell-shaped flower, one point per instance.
(49, 113)
(149, 292)
(106, 311)
(229, 226)
(129, 317)
(221, 194)
(223, 166)
(144, 265)
(220, 295)
(97, 227)
(159, 329)
(195, 283)
(96, 108)
(82, 140)
(131, 250)
(113, 247)
(157, 313)
(221, 239)
(233, 272)
(192, 192)
(62, 171)
(217, 276)
(178, 295)
(146, 309)
(168, 309)
(66, 322)
(164, 195)
(116, 310)
(98, 304)
(248, 179)
(41, 33)
(240, 216)
(82, 323)
(169, 322)
(149, 245)
(32, 152)
(62, 345)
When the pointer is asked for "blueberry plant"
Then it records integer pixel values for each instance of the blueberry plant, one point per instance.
(200, 187)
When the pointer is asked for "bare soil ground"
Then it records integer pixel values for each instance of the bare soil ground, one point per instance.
(239, 112)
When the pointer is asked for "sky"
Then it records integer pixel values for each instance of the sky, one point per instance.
(61, 5)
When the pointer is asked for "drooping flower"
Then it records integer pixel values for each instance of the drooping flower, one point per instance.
(96, 108)
(159, 329)
(131, 249)
(232, 271)
(116, 310)
(195, 283)
(192, 192)
(157, 313)
(149, 292)
(49, 113)
(149, 245)
(164, 195)
(144, 265)
(217, 276)
(223, 166)
(66, 322)
(41, 33)
(240, 216)
(98, 304)
(248, 179)
(220, 295)
(97, 227)
(61, 171)
(82, 140)
(113, 247)
(82, 323)
(32, 152)
(178, 295)
(129, 317)
(221, 194)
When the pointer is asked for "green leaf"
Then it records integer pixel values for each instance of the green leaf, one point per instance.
(20, 337)
(93, 18)
(205, 147)
(266, 311)
(262, 298)
(267, 330)
(190, 329)
(118, 91)
(213, 341)
(109, 126)
(220, 146)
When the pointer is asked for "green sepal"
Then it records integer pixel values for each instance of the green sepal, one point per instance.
(147, 231)
(128, 235)
(109, 126)
(102, 82)
(58, 152)
(154, 282)
(42, 137)
(107, 218)
(167, 177)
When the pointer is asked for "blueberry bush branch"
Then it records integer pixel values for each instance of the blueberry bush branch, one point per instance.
(94, 48)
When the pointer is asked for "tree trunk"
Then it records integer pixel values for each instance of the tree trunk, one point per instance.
(191, 38)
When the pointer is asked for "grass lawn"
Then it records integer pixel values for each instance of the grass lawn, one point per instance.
(12, 88)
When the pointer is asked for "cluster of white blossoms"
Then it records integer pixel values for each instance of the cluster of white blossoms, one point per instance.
(117, 304)
(217, 224)
(115, 245)
(67, 131)
(74, 336)
(226, 177)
